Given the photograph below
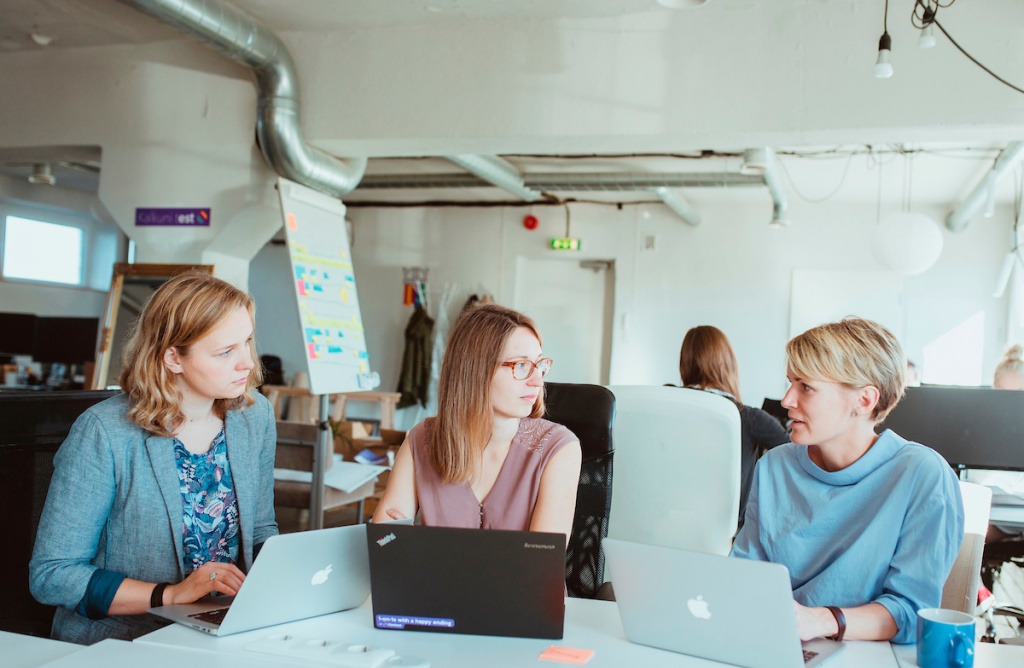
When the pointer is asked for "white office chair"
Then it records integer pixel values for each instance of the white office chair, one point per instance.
(676, 468)
(961, 589)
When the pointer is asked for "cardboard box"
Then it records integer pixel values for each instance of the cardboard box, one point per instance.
(346, 433)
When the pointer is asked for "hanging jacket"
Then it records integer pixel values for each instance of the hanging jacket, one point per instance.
(415, 375)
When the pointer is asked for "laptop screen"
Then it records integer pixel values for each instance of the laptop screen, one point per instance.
(476, 581)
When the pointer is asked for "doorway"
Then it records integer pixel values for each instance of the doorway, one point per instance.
(573, 304)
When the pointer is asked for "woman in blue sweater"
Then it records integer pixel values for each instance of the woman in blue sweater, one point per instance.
(868, 524)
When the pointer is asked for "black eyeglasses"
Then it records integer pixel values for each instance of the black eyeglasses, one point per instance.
(523, 369)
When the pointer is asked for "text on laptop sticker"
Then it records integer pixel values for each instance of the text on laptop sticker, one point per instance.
(386, 539)
(401, 621)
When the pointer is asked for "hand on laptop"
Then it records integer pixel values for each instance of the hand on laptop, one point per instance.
(814, 622)
(213, 576)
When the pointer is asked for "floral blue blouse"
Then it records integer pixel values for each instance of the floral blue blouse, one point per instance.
(210, 531)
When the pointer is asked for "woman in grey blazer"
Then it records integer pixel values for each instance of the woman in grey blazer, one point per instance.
(163, 494)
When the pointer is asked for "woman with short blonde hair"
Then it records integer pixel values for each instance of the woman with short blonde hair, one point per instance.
(488, 460)
(868, 524)
(162, 494)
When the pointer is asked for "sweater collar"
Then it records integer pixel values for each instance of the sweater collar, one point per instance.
(887, 445)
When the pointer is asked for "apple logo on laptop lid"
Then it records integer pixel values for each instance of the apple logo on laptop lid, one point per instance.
(321, 576)
(699, 608)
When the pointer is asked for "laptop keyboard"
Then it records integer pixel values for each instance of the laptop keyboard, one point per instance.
(217, 616)
(808, 655)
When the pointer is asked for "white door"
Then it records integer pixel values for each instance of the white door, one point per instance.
(572, 304)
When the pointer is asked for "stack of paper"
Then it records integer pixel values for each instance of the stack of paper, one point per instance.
(346, 476)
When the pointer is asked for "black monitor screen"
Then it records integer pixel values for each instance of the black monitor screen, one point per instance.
(16, 332)
(975, 427)
(67, 340)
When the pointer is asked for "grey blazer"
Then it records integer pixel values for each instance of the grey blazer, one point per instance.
(115, 503)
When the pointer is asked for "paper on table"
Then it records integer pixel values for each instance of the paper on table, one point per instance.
(346, 476)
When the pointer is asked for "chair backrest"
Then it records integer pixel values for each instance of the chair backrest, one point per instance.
(295, 444)
(961, 589)
(588, 411)
(677, 468)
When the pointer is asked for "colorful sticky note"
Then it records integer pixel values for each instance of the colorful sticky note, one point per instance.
(567, 655)
(292, 225)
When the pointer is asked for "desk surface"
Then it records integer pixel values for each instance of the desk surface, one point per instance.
(589, 624)
(21, 651)
(1011, 516)
(986, 655)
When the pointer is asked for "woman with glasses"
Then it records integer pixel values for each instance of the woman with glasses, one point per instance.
(488, 460)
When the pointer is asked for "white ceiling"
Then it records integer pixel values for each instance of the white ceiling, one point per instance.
(933, 173)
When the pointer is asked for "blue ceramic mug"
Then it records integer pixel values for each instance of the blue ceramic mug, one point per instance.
(945, 639)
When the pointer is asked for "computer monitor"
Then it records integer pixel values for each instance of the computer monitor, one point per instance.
(971, 427)
(17, 331)
(65, 340)
(774, 408)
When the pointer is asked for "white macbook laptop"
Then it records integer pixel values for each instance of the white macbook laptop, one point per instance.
(726, 609)
(296, 575)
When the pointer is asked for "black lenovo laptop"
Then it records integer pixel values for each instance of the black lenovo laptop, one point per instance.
(472, 581)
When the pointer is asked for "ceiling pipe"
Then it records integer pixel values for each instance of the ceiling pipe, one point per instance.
(679, 206)
(773, 179)
(242, 38)
(573, 182)
(1008, 158)
(498, 172)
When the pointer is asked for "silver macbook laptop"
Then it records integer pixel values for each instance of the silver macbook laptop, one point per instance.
(736, 611)
(296, 575)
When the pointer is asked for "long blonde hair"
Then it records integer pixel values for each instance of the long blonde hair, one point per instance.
(707, 361)
(856, 353)
(464, 415)
(182, 311)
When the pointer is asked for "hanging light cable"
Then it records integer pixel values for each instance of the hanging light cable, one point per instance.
(883, 68)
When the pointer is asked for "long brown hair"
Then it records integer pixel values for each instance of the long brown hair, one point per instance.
(706, 360)
(464, 415)
(182, 311)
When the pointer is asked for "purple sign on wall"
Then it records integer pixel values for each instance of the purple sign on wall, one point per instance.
(172, 217)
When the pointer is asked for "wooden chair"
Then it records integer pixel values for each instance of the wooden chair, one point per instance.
(295, 446)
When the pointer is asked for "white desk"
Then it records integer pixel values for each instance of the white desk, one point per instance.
(589, 624)
(986, 655)
(118, 654)
(21, 651)
(1012, 516)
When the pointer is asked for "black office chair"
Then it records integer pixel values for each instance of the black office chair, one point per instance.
(588, 411)
(32, 427)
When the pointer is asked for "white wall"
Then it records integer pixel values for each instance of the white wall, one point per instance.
(733, 272)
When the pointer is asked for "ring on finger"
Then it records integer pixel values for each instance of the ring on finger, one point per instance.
(213, 576)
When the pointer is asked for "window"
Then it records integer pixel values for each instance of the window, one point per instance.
(38, 251)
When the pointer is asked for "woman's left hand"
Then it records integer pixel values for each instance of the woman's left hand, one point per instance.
(814, 622)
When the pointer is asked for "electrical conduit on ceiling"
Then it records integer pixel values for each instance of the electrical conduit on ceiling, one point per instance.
(245, 40)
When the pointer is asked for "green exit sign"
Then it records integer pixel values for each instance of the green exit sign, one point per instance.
(565, 243)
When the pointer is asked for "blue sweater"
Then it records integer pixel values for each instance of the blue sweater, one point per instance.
(885, 529)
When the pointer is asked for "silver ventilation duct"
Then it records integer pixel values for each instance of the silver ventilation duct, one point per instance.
(245, 40)
(679, 206)
(1010, 156)
(498, 172)
(570, 182)
(773, 179)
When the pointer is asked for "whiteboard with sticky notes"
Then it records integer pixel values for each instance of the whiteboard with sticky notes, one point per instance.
(332, 336)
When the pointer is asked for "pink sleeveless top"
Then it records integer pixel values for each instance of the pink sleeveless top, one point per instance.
(510, 503)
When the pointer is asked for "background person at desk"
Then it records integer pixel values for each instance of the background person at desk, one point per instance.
(1009, 375)
(707, 362)
(170, 482)
(488, 460)
(868, 525)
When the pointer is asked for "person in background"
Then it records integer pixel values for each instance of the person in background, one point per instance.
(913, 378)
(707, 362)
(868, 524)
(488, 460)
(1009, 375)
(163, 494)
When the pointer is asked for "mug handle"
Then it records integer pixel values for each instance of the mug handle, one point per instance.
(962, 650)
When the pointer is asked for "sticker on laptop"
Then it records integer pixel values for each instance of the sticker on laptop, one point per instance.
(402, 621)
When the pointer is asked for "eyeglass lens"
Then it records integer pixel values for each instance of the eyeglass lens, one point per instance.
(524, 368)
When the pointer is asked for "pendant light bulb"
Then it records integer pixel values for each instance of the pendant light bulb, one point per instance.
(883, 68)
(926, 40)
